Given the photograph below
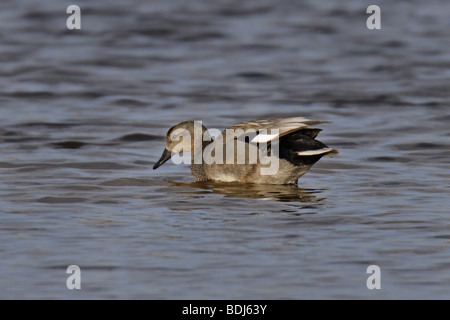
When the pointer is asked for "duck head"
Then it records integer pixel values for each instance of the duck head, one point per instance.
(180, 138)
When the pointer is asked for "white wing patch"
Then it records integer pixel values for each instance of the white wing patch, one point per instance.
(260, 138)
(314, 152)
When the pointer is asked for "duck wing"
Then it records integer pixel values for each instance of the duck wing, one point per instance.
(267, 130)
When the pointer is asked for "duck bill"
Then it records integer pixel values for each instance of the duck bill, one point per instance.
(164, 157)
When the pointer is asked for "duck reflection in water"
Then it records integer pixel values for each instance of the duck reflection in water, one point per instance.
(283, 193)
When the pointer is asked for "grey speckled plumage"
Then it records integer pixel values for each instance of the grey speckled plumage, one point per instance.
(289, 141)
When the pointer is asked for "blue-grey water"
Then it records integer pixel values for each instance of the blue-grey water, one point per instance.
(83, 115)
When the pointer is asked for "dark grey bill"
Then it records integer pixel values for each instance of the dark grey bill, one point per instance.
(164, 157)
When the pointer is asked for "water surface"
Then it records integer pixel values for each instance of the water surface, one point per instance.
(83, 115)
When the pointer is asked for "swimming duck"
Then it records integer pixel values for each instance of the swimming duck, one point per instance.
(275, 151)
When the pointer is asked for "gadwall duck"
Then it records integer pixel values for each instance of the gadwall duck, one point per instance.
(276, 151)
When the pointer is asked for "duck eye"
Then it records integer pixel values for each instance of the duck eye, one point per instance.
(180, 132)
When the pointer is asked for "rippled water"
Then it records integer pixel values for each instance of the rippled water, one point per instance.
(83, 115)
